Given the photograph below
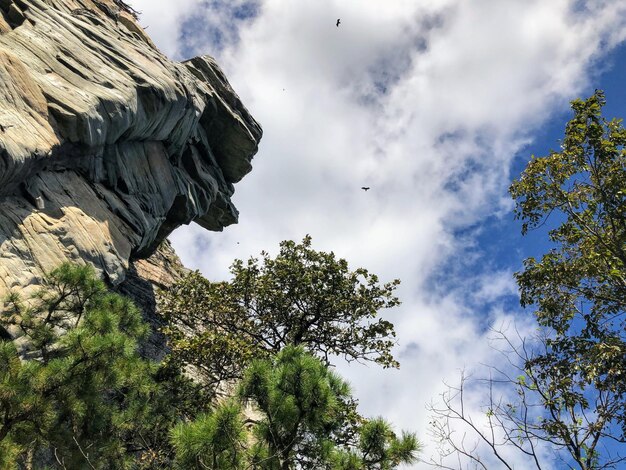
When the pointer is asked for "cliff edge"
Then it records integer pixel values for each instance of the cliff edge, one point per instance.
(106, 145)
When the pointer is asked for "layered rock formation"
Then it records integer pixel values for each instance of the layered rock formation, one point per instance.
(106, 146)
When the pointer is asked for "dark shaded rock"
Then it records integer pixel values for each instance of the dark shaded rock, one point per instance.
(143, 279)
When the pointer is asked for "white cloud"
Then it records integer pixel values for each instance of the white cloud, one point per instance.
(163, 21)
(426, 102)
(493, 286)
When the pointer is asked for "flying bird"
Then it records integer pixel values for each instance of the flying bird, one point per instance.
(365, 188)
(338, 22)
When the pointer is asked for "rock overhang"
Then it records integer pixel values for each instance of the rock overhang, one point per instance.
(106, 146)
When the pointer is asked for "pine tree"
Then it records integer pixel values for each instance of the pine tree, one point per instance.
(73, 393)
(295, 415)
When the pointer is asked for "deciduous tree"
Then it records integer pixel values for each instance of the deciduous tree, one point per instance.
(569, 392)
(301, 297)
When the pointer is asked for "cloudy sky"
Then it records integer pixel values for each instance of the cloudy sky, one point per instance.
(434, 104)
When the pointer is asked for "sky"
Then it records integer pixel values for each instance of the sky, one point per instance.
(435, 105)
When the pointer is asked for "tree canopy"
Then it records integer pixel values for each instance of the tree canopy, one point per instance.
(300, 297)
(76, 393)
(579, 286)
(84, 382)
(569, 391)
(296, 414)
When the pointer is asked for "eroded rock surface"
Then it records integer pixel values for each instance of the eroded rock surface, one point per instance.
(106, 146)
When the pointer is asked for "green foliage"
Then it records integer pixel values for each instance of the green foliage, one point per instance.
(378, 448)
(83, 387)
(215, 440)
(579, 286)
(300, 399)
(77, 393)
(295, 409)
(174, 397)
(300, 297)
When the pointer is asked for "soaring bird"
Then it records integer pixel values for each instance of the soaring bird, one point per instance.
(338, 22)
(365, 188)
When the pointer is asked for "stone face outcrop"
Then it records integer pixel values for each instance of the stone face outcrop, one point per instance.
(106, 145)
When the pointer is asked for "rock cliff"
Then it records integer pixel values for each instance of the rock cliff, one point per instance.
(144, 276)
(106, 146)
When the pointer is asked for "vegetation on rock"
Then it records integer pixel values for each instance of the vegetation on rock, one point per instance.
(76, 393)
(79, 386)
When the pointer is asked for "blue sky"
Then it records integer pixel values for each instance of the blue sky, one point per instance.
(435, 104)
